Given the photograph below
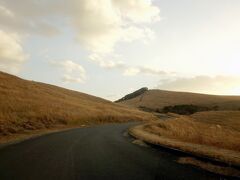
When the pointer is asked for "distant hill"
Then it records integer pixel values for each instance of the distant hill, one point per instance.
(158, 99)
(134, 94)
(29, 105)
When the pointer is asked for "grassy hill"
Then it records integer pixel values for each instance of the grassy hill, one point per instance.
(28, 105)
(227, 119)
(158, 99)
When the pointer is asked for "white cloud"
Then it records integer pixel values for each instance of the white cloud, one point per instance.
(135, 33)
(204, 84)
(113, 63)
(70, 66)
(138, 11)
(132, 71)
(71, 79)
(151, 71)
(99, 25)
(12, 55)
(125, 68)
(142, 70)
(27, 17)
(73, 72)
(6, 12)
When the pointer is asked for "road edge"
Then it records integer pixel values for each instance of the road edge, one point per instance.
(138, 133)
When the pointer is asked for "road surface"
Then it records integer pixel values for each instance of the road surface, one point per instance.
(98, 152)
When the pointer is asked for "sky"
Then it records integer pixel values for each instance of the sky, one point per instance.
(109, 48)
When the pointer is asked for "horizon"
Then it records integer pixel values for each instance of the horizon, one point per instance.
(113, 100)
(174, 46)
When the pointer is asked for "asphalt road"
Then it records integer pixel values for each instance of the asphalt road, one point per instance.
(99, 152)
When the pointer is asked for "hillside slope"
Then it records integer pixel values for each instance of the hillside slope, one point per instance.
(133, 94)
(28, 105)
(158, 99)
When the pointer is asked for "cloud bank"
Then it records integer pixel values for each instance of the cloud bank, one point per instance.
(101, 24)
(126, 69)
(11, 52)
(204, 84)
(73, 72)
(98, 25)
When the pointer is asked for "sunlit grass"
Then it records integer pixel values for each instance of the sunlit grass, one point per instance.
(27, 105)
(218, 129)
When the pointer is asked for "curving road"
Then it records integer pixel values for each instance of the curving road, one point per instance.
(99, 152)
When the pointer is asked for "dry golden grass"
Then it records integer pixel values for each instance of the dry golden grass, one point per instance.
(227, 119)
(27, 105)
(187, 129)
(226, 171)
(157, 99)
(219, 140)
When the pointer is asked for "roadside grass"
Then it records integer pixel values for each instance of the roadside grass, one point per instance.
(223, 133)
(219, 140)
(30, 106)
(227, 119)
